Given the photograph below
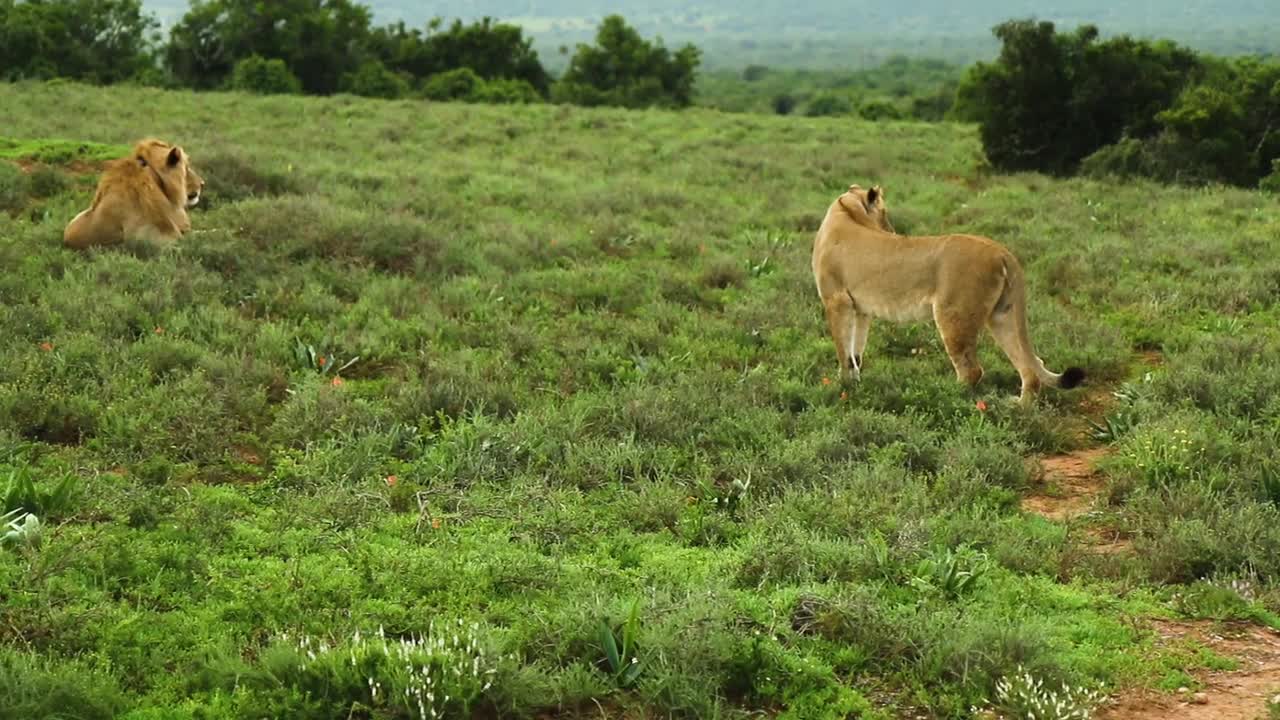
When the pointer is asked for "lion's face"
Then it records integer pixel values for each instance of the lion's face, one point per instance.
(173, 166)
(873, 202)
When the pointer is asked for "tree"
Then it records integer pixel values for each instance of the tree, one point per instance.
(1051, 99)
(102, 41)
(319, 40)
(492, 50)
(1021, 100)
(625, 70)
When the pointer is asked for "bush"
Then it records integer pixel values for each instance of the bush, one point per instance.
(30, 687)
(1271, 183)
(373, 79)
(459, 84)
(825, 104)
(257, 74)
(879, 110)
(14, 188)
(505, 92)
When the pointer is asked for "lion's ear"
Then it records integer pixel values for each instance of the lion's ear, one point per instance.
(175, 157)
(873, 195)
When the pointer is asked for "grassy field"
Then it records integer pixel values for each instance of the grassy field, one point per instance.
(530, 408)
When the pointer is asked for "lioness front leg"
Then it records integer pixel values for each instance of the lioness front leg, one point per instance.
(861, 326)
(840, 317)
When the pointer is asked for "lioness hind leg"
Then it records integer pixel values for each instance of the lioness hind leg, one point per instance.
(959, 331)
(840, 316)
(1004, 328)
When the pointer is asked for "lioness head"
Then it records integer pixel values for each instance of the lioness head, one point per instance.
(172, 167)
(872, 202)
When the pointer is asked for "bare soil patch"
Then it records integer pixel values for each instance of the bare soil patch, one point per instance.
(1070, 485)
(1240, 694)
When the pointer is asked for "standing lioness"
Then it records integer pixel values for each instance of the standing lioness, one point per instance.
(864, 269)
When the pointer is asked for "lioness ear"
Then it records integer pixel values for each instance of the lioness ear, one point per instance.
(175, 157)
(873, 195)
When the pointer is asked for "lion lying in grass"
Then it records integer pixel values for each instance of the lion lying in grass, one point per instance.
(145, 194)
(863, 270)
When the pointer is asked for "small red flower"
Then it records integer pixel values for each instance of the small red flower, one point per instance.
(320, 361)
(982, 406)
(159, 330)
(826, 381)
(337, 381)
(392, 480)
(46, 346)
(435, 523)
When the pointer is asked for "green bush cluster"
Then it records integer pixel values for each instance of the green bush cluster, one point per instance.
(1061, 102)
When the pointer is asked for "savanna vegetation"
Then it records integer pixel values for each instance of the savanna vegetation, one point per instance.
(1061, 102)
(294, 46)
(900, 88)
(489, 413)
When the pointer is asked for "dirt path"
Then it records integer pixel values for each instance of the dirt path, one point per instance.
(1069, 491)
(1070, 485)
(1240, 694)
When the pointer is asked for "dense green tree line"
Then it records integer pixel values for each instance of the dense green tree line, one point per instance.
(901, 88)
(1056, 102)
(1064, 102)
(327, 46)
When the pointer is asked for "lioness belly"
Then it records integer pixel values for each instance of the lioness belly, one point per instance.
(898, 310)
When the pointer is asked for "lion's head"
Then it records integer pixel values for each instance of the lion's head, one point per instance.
(872, 203)
(172, 168)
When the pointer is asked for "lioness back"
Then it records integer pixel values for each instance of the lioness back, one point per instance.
(144, 193)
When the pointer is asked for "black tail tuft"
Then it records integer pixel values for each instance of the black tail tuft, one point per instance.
(1071, 377)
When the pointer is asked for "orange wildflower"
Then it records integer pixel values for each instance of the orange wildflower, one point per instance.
(435, 523)
(320, 361)
(337, 381)
(46, 346)
(159, 330)
(392, 480)
(826, 381)
(982, 406)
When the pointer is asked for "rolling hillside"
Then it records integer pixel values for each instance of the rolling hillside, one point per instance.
(533, 408)
(832, 34)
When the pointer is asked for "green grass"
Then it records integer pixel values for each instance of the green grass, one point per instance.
(59, 151)
(576, 397)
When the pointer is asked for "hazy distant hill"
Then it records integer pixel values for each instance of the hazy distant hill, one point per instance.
(825, 32)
